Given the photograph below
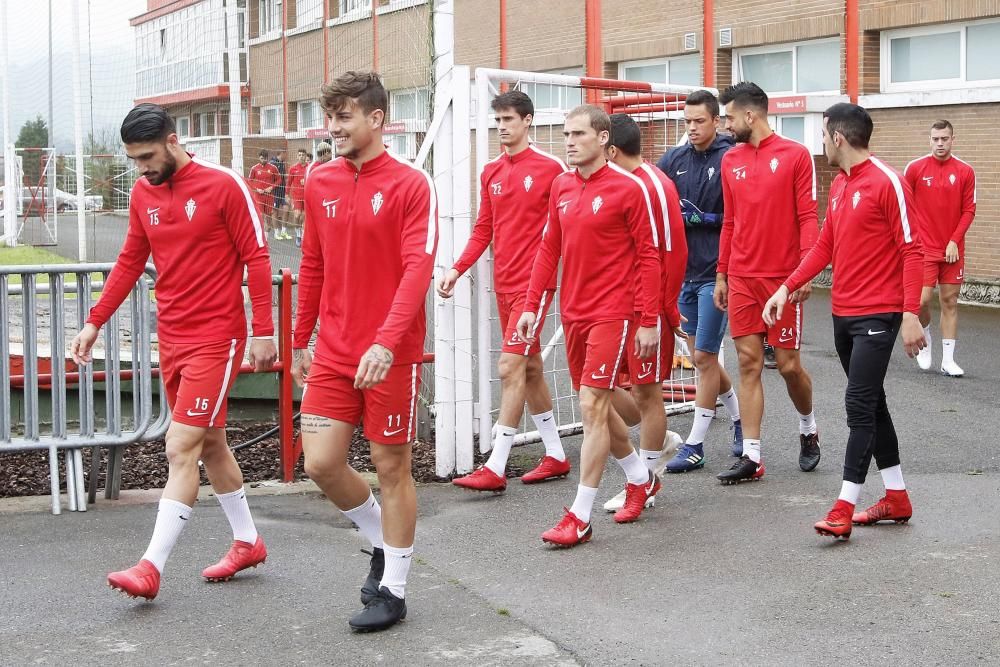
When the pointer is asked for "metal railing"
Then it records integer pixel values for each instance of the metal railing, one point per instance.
(26, 431)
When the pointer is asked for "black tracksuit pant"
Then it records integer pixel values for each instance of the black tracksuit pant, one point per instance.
(864, 344)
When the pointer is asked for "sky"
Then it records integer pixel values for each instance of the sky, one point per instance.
(107, 51)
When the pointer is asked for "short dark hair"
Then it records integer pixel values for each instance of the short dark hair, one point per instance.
(703, 98)
(516, 100)
(597, 116)
(942, 125)
(625, 134)
(745, 94)
(147, 122)
(302, 150)
(365, 87)
(852, 121)
(262, 153)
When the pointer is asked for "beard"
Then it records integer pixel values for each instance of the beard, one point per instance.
(162, 176)
(742, 136)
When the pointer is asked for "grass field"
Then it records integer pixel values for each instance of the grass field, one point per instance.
(29, 255)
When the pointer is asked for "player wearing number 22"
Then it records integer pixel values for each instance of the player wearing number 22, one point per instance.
(367, 260)
(200, 223)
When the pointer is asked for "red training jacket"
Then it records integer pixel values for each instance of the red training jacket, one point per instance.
(870, 234)
(945, 193)
(202, 228)
(367, 259)
(296, 182)
(600, 226)
(264, 177)
(673, 245)
(513, 209)
(769, 220)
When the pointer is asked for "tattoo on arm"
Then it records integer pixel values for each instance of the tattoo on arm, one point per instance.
(379, 354)
(298, 355)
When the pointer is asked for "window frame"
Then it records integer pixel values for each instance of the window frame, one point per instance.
(273, 30)
(299, 105)
(885, 57)
(280, 129)
(780, 48)
(625, 64)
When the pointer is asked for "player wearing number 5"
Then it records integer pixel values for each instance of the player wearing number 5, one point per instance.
(200, 223)
(367, 260)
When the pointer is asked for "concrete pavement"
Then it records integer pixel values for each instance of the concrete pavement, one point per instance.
(713, 575)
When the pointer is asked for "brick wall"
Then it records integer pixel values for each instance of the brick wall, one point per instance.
(305, 65)
(902, 135)
(477, 33)
(266, 74)
(756, 22)
(405, 48)
(537, 41)
(640, 29)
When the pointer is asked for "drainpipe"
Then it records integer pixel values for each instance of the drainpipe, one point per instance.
(595, 55)
(851, 48)
(708, 44)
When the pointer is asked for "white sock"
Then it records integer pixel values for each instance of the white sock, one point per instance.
(850, 492)
(731, 403)
(171, 518)
(234, 504)
(584, 502)
(927, 336)
(502, 443)
(893, 478)
(699, 427)
(635, 471)
(807, 423)
(284, 231)
(368, 518)
(546, 425)
(649, 457)
(751, 449)
(397, 566)
(947, 351)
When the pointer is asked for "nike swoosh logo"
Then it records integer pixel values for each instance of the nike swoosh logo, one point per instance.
(581, 533)
(546, 419)
(182, 518)
(649, 489)
(389, 434)
(564, 202)
(599, 377)
(196, 414)
(785, 340)
(642, 375)
(680, 173)
(875, 333)
(151, 211)
(330, 203)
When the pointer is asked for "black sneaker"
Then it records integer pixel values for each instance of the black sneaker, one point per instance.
(369, 589)
(809, 452)
(769, 359)
(382, 611)
(743, 470)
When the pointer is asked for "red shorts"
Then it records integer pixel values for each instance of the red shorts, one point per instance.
(388, 410)
(747, 297)
(511, 307)
(265, 203)
(940, 271)
(198, 377)
(298, 204)
(596, 351)
(650, 370)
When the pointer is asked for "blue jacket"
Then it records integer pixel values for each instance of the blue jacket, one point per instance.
(698, 177)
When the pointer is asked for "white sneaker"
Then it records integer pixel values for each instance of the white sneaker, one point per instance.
(618, 502)
(952, 370)
(671, 444)
(277, 235)
(924, 358)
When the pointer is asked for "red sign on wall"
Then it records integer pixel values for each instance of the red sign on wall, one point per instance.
(793, 104)
(394, 128)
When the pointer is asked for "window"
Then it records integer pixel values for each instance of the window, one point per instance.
(308, 11)
(271, 120)
(354, 9)
(309, 115)
(403, 144)
(792, 127)
(548, 97)
(953, 56)
(205, 124)
(269, 17)
(183, 124)
(685, 71)
(410, 104)
(808, 67)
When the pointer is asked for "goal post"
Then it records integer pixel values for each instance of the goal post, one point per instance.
(658, 108)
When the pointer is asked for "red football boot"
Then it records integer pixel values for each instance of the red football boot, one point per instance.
(837, 522)
(894, 506)
(569, 532)
(636, 496)
(482, 479)
(240, 556)
(139, 581)
(548, 468)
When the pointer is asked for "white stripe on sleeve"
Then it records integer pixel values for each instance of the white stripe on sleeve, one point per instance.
(900, 200)
(251, 207)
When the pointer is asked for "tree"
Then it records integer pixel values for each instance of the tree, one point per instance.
(34, 134)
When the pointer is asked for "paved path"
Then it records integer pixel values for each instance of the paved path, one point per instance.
(714, 575)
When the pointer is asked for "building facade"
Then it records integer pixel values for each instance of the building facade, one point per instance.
(910, 62)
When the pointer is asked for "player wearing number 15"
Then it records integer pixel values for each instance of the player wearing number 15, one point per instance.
(367, 260)
(199, 221)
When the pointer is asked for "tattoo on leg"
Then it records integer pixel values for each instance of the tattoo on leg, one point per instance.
(312, 424)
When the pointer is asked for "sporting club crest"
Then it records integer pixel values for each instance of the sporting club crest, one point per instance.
(855, 199)
(527, 182)
(774, 164)
(376, 203)
(189, 208)
(951, 178)
(596, 204)
(711, 172)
